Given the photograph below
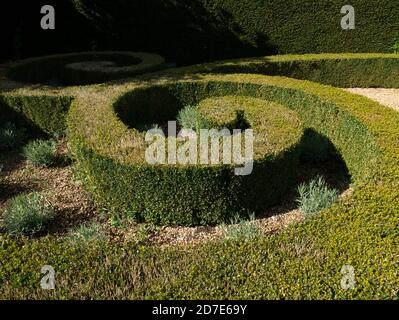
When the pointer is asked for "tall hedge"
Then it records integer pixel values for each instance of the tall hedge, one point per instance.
(199, 30)
(204, 30)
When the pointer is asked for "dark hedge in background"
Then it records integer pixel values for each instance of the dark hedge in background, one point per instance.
(22, 36)
(198, 30)
(204, 30)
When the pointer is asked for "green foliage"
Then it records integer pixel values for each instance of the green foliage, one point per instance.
(242, 229)
(38, 113)
(11, 137)
(221, 29)
(363, 70)
(190, 118)
(83, 68)
(28, 214)
(302, 262)
(395, 47)
(145, 190)
(41, 153)
(85, 233)
(202, 194)
(315, 196)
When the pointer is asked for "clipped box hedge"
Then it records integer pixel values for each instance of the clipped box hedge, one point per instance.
(83, 68)
(364, 70)
(46, 113)
(304, 261)
(185, 194)
(112, 156)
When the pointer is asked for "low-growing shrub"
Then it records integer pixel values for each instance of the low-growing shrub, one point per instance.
(189, 193)
(350, 70)
(88, 233)
(41, 153)
(28, 214)
(315, 196)
(302, 262)
(37, 113)
(11, 137)
(190, 118)
(242, 229)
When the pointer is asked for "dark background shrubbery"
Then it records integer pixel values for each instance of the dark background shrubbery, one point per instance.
(22, 36)
(197, 30)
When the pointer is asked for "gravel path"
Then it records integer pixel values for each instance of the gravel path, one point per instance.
(387, 97)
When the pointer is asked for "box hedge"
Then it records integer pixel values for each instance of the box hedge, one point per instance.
(184, 194)
(364, 70)
(113, 157)
(302, 262)
(41, 113)
(83, 68)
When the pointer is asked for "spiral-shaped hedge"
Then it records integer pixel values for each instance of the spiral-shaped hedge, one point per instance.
(107, 149)
(84, 67)
(110, 151)
(191, 194)
(304, 261)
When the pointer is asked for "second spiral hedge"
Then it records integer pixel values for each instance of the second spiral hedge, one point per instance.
(83, 68)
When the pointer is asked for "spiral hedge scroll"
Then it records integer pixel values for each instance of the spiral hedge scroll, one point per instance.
(305, 260)
(111, 152)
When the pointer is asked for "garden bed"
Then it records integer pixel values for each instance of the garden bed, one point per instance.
(302, 261)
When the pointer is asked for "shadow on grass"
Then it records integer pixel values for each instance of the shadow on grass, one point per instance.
(318, 157)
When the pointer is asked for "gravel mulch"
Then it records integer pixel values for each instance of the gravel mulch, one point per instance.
(74, 206)
(387, 97)
(66, 195)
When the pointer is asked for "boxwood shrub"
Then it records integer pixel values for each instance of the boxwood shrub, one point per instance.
(302, 262)
(40, 113)
(112, 155)
(83, 67)
(190, 194)
(340, 70)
